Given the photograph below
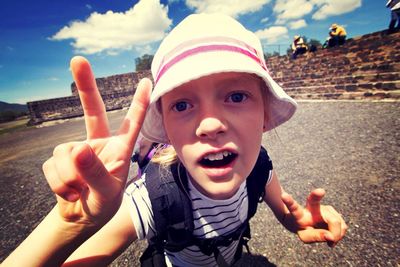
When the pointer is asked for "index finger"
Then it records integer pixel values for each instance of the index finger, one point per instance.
(314, 202)
(134, 118)
(93, 107)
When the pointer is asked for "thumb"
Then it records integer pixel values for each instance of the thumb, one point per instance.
(91, 169)
(312, 235)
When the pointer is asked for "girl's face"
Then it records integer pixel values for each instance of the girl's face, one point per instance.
(215, 124)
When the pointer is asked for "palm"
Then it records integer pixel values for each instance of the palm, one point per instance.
(89, 177)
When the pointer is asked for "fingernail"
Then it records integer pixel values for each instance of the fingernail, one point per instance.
(72, 196)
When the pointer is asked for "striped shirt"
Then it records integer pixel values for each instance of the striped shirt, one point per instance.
(211, 218)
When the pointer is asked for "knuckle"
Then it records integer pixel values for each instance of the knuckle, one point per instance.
(63, 149)
(46, 165)
(59, 150)
(335, 221)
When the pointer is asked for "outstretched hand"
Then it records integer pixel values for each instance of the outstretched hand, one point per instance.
(315, 222)
(89, 177)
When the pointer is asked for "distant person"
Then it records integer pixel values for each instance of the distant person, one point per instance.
(337, 35)
(298, 46)
(394, 6)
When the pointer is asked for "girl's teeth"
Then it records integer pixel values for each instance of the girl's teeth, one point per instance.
(217, 156)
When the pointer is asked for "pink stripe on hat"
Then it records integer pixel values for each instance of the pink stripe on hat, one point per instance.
(247, 51)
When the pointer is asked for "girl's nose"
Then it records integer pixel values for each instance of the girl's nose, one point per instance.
(211, 127)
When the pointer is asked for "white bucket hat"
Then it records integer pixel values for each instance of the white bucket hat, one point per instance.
(204, 44)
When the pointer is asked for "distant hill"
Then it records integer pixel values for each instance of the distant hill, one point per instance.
(4, 106)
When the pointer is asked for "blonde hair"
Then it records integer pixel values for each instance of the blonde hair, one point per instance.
(165, 155)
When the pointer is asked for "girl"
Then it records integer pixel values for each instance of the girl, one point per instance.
(213, 99)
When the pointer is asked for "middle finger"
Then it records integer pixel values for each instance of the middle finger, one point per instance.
(93, 107)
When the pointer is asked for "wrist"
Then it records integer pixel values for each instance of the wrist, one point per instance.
(289, 223)
(70, 230)
(62, 237)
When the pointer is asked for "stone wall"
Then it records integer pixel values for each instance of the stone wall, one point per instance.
(365, 67)
(116, 91)
(120, 82)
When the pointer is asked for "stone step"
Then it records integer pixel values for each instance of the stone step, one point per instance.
(349, 87)
(358, 51)
(338, 61)
(321, 79)
(336, 70)
(372, 95)
(380, 54)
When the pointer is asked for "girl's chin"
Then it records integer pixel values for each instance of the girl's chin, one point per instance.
(219, 191)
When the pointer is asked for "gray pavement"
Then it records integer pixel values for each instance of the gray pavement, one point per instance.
(351, 149)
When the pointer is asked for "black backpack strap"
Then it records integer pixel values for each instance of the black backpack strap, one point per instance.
(172, 212)
(257, 180)
(255, 193)
(153, 256)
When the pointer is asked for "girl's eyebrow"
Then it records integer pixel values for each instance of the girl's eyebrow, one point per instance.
(235, 80)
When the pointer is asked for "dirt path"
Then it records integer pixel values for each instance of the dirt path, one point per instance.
(350, 148)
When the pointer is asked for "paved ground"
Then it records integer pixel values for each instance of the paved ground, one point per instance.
(351, 149)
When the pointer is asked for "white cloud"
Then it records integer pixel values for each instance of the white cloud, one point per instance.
(272, 34)
(264, 20)
(291, 9)
(144, 23)
(53, 79)
(88, 6)
(296, 9)
(144, 49)
(233, 8)
(301, 23)
(328, 8)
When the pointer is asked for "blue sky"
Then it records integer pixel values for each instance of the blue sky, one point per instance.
(38, 38)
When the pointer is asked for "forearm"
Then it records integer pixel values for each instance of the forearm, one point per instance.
(273, 192)
(50, 243)
(107, 243)
(273, 198)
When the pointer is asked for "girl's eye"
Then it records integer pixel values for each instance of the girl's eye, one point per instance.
(237, 97)
(181, 106)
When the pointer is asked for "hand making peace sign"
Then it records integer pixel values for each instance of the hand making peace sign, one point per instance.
(315, 222)
(89, 177)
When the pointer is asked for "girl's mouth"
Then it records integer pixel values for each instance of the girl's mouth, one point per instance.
(218, 160)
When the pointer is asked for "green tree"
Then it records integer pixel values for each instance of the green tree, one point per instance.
(8, 115)
(143, 62)
(314, 42)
